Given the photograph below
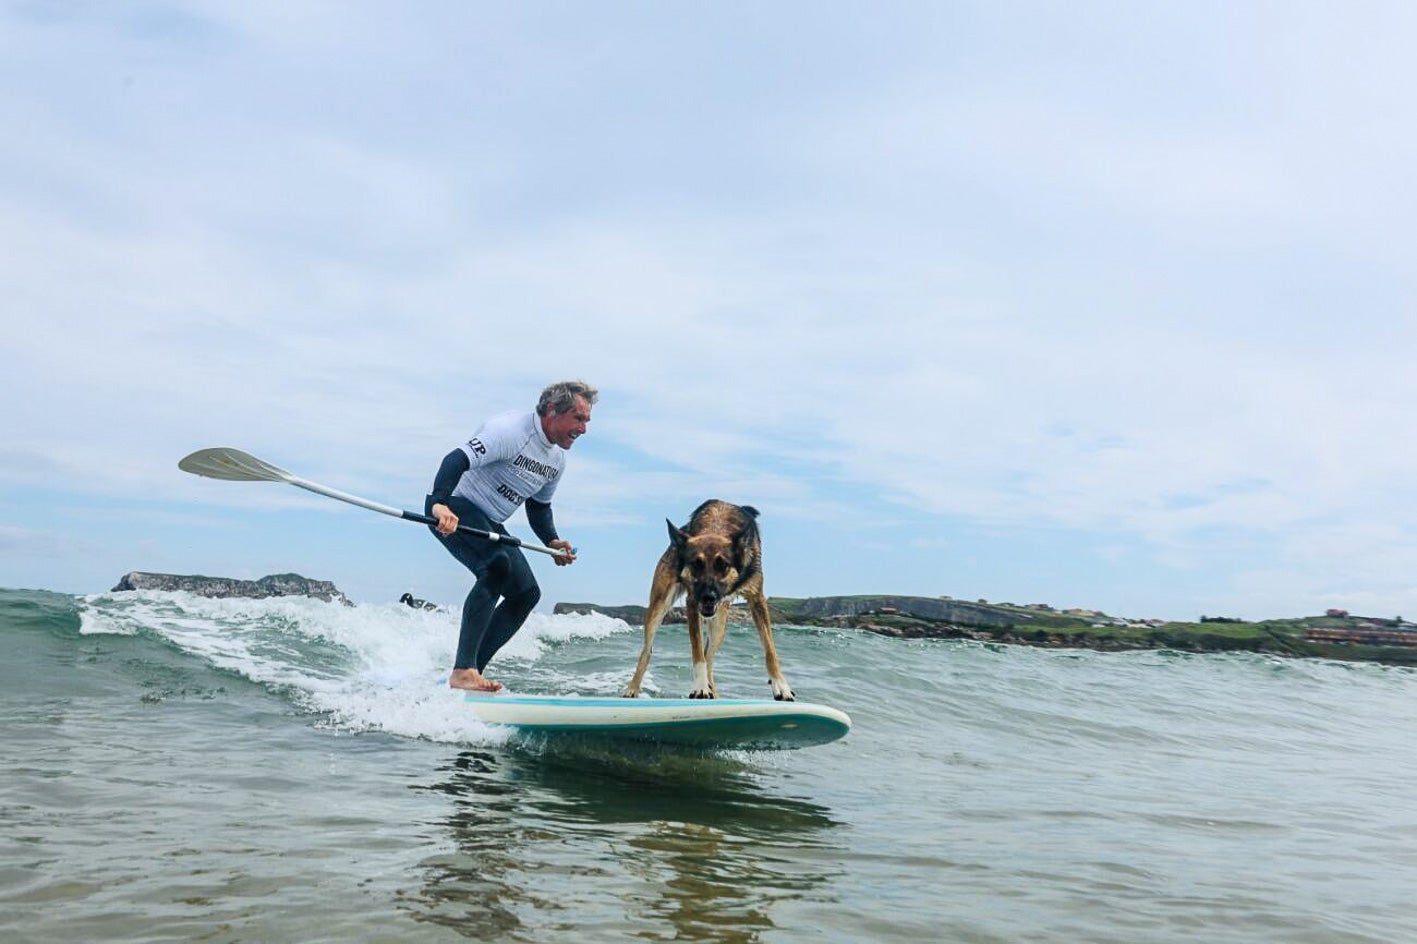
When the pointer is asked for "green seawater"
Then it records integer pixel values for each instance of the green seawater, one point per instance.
(179, 769)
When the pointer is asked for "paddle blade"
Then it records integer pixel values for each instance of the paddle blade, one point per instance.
(232, 465)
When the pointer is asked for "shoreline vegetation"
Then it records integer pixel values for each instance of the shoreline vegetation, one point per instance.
(1335, 635)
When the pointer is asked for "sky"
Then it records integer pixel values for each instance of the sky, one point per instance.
(1093, 304)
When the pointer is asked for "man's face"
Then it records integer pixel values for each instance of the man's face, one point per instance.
(563, 429)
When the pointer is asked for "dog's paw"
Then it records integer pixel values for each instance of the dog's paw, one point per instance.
(782, 692)
(700, 693)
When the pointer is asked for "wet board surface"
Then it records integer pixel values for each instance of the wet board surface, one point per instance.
(743, 724)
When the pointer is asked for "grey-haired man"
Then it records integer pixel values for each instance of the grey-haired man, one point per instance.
(514, 459)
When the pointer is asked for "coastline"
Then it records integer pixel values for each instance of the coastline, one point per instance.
(1335, 635)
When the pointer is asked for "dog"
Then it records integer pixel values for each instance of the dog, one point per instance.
(717, 556)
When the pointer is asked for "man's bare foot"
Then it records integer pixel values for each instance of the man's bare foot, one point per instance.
(473, 681)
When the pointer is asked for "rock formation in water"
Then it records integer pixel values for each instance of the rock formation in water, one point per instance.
(274, 585)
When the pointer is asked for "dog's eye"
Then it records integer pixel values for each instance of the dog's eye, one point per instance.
(720, 566)
(696, 565)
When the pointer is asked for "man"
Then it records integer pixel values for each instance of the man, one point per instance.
(515, 458)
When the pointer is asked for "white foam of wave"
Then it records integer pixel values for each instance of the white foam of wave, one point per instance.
(542, 631)
(371, 667)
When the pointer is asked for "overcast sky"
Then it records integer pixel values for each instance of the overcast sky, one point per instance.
(1094, 304)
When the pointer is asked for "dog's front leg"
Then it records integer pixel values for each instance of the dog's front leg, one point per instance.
(780, 689)
(702, 688)
(717, 628)
(661, 597)
(633, 689)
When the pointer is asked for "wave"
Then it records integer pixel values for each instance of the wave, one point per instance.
(383, 668)
(370, 667)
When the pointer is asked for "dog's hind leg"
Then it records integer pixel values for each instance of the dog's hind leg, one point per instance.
(780, 689)
(717, 629)
(661, 597)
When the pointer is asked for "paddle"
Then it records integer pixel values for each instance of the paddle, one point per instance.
(237, 466)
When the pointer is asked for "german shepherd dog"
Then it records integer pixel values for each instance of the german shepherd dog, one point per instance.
(717, 556)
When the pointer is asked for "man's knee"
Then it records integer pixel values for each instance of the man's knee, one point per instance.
(497, 575)
(506, 579)
(522, 601)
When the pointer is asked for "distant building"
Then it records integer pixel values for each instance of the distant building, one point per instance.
(1337, 614)
(1367, 634)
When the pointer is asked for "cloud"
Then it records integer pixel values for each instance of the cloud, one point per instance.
(30, 543)
(973, 274)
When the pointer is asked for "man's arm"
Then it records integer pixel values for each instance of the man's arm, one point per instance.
(454, 465)
(538, 515)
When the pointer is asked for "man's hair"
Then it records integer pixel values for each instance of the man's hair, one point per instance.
(561, 397)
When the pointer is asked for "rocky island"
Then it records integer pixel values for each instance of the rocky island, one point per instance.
(1335, 635)
(272, 585)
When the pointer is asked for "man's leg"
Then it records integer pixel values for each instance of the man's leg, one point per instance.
(520, 594)
(477, 612)
(482, 558)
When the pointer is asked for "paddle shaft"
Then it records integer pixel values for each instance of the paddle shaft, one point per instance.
(233, 465)
(393, 512)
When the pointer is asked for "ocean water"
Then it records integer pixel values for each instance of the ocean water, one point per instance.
(174, 768)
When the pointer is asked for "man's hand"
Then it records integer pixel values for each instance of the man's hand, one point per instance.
(567, 555)
(447, 521)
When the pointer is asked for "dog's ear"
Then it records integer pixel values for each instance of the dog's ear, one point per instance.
(743, 544)
(677, 538)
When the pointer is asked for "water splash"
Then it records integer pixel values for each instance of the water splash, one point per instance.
(371, 667)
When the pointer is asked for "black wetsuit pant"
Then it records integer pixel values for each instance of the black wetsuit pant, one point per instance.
(502, 574)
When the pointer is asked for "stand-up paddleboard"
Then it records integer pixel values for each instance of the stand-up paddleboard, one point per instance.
(727, 724)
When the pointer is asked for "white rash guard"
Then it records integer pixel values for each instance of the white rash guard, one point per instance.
(510, 460)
